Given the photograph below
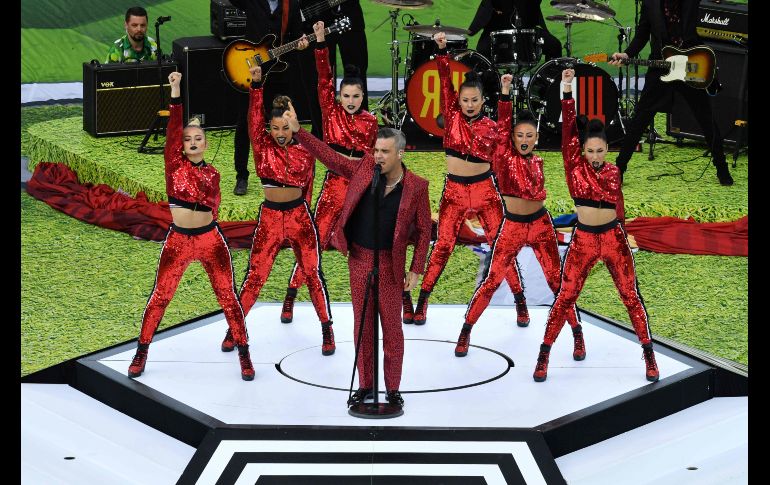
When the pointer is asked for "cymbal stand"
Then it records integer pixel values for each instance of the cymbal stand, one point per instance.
(393, 97)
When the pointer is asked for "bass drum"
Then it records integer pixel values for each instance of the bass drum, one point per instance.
(423, 47)
(423, 88)
(596, 95)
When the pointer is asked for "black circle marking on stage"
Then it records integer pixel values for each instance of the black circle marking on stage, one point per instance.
(692, 467)
(69, 457)
(473, 384)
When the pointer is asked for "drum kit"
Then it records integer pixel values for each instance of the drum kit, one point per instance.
(517, 51)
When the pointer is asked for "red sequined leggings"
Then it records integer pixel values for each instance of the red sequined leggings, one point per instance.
(462, 194)
(182, 246)
(277, 222)
(360, 263)
(535, 230)
(590, 244)
(328, 208)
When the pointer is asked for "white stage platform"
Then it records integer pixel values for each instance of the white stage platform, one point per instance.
(440, 390)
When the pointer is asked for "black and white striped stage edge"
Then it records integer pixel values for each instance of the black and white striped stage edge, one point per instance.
(334, 456)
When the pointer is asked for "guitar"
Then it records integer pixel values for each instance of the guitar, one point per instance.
(314, 10)
(695, 66)
(240, 55)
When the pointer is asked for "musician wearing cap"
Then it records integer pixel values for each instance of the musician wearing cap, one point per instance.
(495, 15)
(136, 45)
(470, 139)
(669, 23)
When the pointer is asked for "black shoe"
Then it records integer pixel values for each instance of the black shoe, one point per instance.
(240, 186)
(394, 398)
(723, 174)
(360, 395)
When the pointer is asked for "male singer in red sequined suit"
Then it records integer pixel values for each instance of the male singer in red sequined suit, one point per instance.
(285, 169)
(192, 186)
(470, 139)
(403, 202)
(599, 235)
(349, 130)
(521, 181)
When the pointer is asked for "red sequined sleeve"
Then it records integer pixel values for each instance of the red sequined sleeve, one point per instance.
(256, 121)
(172, 153)
(326, 95)
(448, 94)
(504, 144)
(620, 207)
(570, 141)
(424, 224)
(333, 160)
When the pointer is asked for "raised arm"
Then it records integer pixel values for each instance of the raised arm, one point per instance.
(172, 153)
(256, 106)
(448, 93)
(570, 141)
(423, 226)
(326, 91)
(504, 111)
(333, 160)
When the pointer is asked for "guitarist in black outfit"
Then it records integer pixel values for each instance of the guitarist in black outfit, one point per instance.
(352, 44)
(669, 22)
(265, 17)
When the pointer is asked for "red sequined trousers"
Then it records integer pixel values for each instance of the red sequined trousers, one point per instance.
(462, 194)
(328, 208)
(279, 221)
(360, 262)
(590, 244)
(535, 230)
(182, 246)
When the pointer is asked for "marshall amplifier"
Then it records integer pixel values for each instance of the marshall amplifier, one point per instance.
(205, 91)
(123, 99)
(723, 20)
(227, 22)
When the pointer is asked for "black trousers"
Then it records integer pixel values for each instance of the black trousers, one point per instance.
(658, 96)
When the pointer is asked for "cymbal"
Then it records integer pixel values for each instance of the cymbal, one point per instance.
(430, 30)
(407, 4)
(587, 9)
(566, 18)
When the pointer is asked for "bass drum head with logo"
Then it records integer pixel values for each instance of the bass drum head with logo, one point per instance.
(596, 95)
(423, 88)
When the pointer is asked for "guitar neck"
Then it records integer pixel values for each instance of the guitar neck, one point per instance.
(649, 63)
(281, 50)
(315, 9)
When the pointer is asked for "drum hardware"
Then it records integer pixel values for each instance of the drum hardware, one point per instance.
(516, 49)
(587, 9)
(405, 4)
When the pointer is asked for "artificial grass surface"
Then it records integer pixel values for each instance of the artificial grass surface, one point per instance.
(115, 162)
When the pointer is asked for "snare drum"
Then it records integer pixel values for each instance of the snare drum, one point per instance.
(516, 49)
(596, 95)
(423, 88)
(423, 47)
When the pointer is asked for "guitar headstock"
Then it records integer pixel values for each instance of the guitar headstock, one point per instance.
(341, 25)
(599, 57)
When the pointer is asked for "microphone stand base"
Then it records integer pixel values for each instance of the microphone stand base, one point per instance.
(371, 410)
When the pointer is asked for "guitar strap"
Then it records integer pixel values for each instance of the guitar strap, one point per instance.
(284, 18)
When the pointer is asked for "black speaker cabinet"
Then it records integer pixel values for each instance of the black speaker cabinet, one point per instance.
(123, 99)
(205, 91)
(728, 105)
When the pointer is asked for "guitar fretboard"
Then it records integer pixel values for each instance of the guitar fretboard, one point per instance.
(279, 51)
(649, 63)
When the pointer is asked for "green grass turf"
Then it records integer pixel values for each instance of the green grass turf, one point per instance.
(115, 162)
(57, 38)
(697, 300)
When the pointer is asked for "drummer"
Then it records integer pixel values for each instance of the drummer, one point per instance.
(495, 15)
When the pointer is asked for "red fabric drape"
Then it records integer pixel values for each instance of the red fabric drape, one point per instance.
(686, 236)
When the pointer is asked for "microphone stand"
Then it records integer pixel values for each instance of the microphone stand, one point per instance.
(376, 409)
(161, 117)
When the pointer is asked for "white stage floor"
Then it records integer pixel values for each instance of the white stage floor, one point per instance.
(190, 368)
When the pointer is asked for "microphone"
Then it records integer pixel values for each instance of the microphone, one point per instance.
(376, 177)
(163, 19)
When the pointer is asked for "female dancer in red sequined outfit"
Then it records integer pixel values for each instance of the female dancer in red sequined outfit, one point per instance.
(286, 171)
(350, 131)
(595, 187)
(192, 186)
(521, 181)
(470, 139)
